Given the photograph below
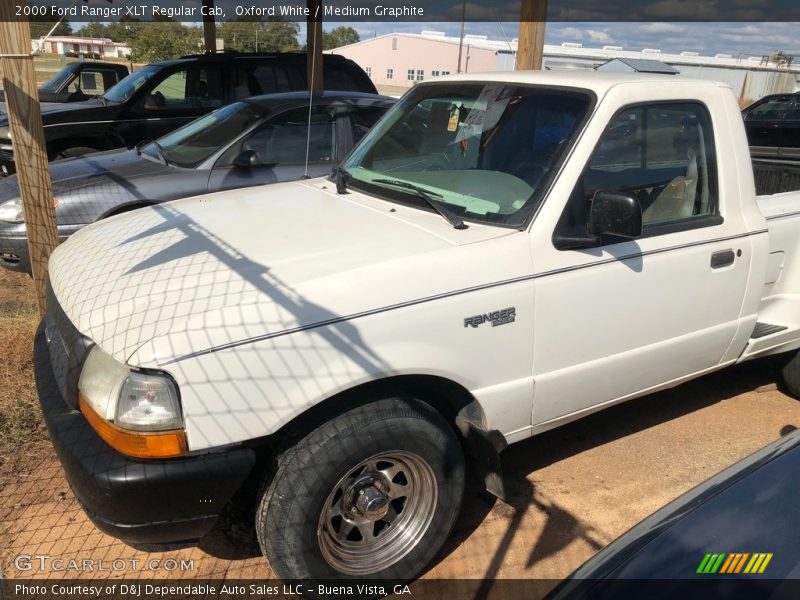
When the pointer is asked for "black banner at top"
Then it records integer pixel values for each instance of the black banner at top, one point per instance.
(409, 10)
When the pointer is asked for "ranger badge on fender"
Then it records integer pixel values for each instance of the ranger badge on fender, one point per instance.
(497, 317)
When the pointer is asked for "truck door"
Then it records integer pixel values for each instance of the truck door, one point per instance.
(620, 317)
(178, 98)
(790, 141)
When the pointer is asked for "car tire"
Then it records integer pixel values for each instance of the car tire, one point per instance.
(791, 375)
(389, 474)
(73, 152)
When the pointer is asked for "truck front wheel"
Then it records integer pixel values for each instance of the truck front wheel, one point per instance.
(372, 493)
(791, 375)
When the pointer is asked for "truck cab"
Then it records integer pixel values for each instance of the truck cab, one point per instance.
(501, 254)
(79, 81)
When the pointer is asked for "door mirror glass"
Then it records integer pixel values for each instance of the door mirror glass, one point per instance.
(615, 213)
(247, 159)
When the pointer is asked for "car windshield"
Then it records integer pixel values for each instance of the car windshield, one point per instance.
(128, 86)
(59, 79)
(192, 144)
(486, 151)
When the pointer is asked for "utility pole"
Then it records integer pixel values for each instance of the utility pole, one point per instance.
(461, 35)
(209, 27)
(30, 156)
(530, 47)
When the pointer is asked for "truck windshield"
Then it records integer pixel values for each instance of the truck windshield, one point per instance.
(192, 144)
(128, 86)
(487, 150)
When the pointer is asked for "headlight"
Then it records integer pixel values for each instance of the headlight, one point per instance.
(11, 211)
(136, 413)
(5, 133)
(148, 403)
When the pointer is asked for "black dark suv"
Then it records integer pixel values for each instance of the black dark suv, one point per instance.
(163, 96)
(773, 126)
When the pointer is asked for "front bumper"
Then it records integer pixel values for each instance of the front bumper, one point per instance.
(14, 252)
(137, 501)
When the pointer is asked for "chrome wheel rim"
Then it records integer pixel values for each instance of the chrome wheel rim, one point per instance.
(377, 513)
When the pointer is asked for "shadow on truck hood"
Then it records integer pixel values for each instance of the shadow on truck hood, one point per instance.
(216, 270)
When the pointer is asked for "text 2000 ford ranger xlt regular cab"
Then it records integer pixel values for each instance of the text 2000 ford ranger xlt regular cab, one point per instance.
(502, 254)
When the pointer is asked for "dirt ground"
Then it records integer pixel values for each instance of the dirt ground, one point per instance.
(573, 489)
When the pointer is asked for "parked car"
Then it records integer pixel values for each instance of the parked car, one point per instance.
(163, 96)
(474, 273)
(78, 81)
(252, 142)
(736, 532)
(773, 126)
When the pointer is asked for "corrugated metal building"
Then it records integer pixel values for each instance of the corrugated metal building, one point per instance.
(402, 59)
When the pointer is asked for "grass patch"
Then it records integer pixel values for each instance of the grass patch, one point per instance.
(22, 431)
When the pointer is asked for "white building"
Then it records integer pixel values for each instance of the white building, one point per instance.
(61, 45)
(402, 59)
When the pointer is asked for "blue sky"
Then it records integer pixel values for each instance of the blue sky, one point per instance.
(707, 38)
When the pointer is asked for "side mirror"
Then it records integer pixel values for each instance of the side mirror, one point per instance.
(615, 213)
(247, 159)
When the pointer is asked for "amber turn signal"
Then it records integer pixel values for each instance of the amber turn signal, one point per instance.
(138, 444)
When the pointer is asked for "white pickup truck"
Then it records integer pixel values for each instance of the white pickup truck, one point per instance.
(502, 254)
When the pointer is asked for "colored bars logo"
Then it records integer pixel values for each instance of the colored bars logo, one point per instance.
(734, 562)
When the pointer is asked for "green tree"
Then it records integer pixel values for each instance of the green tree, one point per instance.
(338, 37)
(93, 30)
(40, 28)
(163, 41)
(125, 30)
(260, 36)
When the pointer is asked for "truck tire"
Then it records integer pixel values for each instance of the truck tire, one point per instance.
(371, 493)
(791, 375)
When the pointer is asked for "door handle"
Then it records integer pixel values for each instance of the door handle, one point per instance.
(722, 258)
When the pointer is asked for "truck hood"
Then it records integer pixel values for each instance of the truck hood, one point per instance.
(56, 112)
(205, 272)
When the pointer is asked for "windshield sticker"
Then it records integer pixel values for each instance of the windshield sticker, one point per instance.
(452, 124)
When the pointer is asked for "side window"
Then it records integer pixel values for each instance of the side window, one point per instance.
(283, 139)
(363, 119)
(204, 88)
(187, 89)
(110, 79)
(661, 154)
(338, 78)
(793, 114)
(770, 110)
(170, 94)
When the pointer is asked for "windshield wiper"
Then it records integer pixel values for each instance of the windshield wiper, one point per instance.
(138, 147)
(340, 177)
(161, 153)
(425, 195)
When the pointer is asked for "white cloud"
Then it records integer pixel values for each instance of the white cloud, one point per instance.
(662, 28)
(599, 36)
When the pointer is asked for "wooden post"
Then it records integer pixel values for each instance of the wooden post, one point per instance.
(30, 156)
(314, 45)
(209, 28)
(530, 47)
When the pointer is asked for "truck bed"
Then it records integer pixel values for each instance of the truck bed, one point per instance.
(774, 176)
(778, 327)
